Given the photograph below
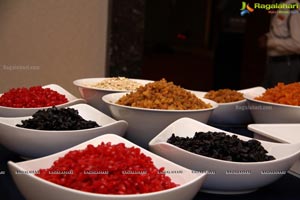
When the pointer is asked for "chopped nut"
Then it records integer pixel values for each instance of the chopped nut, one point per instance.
(117, 83)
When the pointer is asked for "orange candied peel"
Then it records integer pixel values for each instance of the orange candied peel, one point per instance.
(282, 93)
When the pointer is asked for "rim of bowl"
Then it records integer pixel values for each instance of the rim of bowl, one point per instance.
(120, 140)
(154, 143)
(226, 161)
(231, 103)
(63, 131)
(66, 131)
(37, 108)
(213, 104)
(79, 84)
(251, 98)
(67, 189)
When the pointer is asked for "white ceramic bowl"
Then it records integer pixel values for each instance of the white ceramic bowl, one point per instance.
(231, 113)
(267, 112)
(285, 133)
(144, 124)
(224, 176)
(20, 112)
(93, 95)
(36, 143)
(35, 188)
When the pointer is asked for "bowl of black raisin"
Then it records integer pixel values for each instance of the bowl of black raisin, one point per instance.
(54, 129)
(235, 164)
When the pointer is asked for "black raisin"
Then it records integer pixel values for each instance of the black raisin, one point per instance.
(57, 119)
(221, 146)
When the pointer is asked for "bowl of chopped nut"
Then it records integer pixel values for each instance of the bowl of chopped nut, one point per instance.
(92, 89)
(152, 107)
(235, 164)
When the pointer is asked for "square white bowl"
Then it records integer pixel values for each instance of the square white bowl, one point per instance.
(21, 112)
(35, 188)
(225, 177)
(33, 143)
(285, 133)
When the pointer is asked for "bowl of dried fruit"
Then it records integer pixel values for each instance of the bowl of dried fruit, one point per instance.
(108, 167)
(150, 108)
(235, 164)
(54, 129)
(19, 102)
(232, 109)
(280, 104)
(93, 89)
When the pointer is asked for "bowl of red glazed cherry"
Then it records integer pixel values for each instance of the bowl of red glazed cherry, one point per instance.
(107, 167)
(22, 101)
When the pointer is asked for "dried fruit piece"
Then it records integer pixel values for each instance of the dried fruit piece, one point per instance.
(221, 146)
(224, 95)
(32, 97)
(57, 119)
(163, 95)
(108, 169)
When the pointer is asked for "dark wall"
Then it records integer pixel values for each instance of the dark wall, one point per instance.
(175, 43)
(126, 41)
(199, 45)
(254, 57)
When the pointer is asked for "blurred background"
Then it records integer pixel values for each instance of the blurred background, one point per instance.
(200, 45)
